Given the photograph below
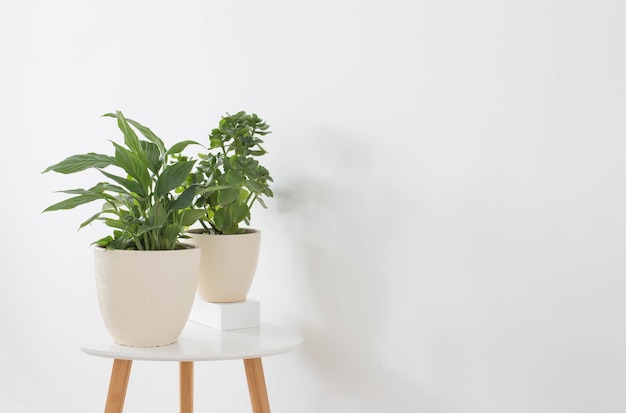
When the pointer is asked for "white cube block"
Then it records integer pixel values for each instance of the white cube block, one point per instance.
(227, 316)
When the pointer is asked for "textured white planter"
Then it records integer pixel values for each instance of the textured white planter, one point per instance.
(145, 296)
(228, 264)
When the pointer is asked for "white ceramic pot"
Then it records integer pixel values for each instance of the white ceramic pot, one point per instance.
(227, 265)
(145, 297)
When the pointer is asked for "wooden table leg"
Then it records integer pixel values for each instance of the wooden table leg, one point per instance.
(186, 387)
(256, 385)
(118, 385)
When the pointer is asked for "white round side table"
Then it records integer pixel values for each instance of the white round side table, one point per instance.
(197, 343)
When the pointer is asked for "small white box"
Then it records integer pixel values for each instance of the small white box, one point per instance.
(227, 316)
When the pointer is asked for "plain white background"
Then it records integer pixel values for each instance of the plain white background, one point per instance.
(448, 227)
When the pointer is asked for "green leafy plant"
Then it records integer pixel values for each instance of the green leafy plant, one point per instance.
(230, 179)
(142, 201)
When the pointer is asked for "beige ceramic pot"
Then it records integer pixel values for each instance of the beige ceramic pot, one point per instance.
(145, 297)
(228, 264)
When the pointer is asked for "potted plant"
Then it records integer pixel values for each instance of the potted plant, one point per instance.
(230, 182)
(145, 277)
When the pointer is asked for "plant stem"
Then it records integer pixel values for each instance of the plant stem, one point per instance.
(137, 243)
(252, 202)
(205, 227)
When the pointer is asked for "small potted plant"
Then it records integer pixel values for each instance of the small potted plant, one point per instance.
(230, 182)
(145, 277)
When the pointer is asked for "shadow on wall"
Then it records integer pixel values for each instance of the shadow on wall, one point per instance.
(342, 231)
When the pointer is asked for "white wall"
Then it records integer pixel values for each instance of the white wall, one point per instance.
(448, 227)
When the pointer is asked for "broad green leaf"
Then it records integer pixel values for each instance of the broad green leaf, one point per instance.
(243, 195)
(153, 156)
(180, 146)
(190, 216)
(227, 196)
(235, 178)
(144, 229)
(254, 186)
(73, 202)
(77, 163)
(215, 142)
(132, 186)
(132, 164)
(238, 211)
(172, 177)
(158, 215)
(130, 137)
(184, 200)
(121, 242)
(222, 219)
(148, 134)
(104, 187)
(115, 223)
(103, 242)
(171, 232)
(252, 174)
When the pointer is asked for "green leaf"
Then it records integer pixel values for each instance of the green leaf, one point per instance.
(239, 211)
(215, 142)
(148, 134)
(184, 200)
(172, 177)
(73, 202)
(227, 196)
(190, 216)
(222, 219)
(254, 186)
(211, 189)
(103, 242)
(262, 202)
(104, 187)
(121, 242)
(115, 223)
(144, 229)
(132, 186)
(235, 178)
(90, 220)
(180, 146)
(158, 215)
(152, 155)
(77, 163)
(170, 234)
(130, 137)
(132, 164)
(100, 188)
(78, 191)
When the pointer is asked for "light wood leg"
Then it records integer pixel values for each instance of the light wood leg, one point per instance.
(186, 387)
(118, 385)
(256, 385)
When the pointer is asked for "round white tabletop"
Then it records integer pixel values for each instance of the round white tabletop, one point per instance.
(202, 343)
